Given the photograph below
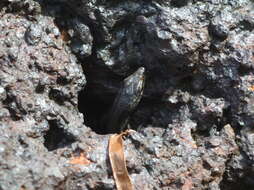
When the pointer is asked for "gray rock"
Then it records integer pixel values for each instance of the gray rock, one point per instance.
(33, 34)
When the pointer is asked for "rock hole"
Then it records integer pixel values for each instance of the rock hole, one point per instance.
(56, 137)
(232, 181)
(94, 109)
(98, 96)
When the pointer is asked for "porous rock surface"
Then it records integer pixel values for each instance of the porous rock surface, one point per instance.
(194, 123)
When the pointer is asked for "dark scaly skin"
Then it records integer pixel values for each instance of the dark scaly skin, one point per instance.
(126, 101)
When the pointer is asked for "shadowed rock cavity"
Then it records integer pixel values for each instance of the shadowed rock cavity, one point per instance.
(101, 102)
(57, 137)
(93, 109)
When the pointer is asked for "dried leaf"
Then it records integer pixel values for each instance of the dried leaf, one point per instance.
(118, 163)
(251, 88)
(81, 160)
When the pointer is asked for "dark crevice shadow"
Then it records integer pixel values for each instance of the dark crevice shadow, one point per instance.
(56, 137)
(231, 179)
(93, 109)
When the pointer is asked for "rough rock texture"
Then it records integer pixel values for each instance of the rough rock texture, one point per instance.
(194, 123)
